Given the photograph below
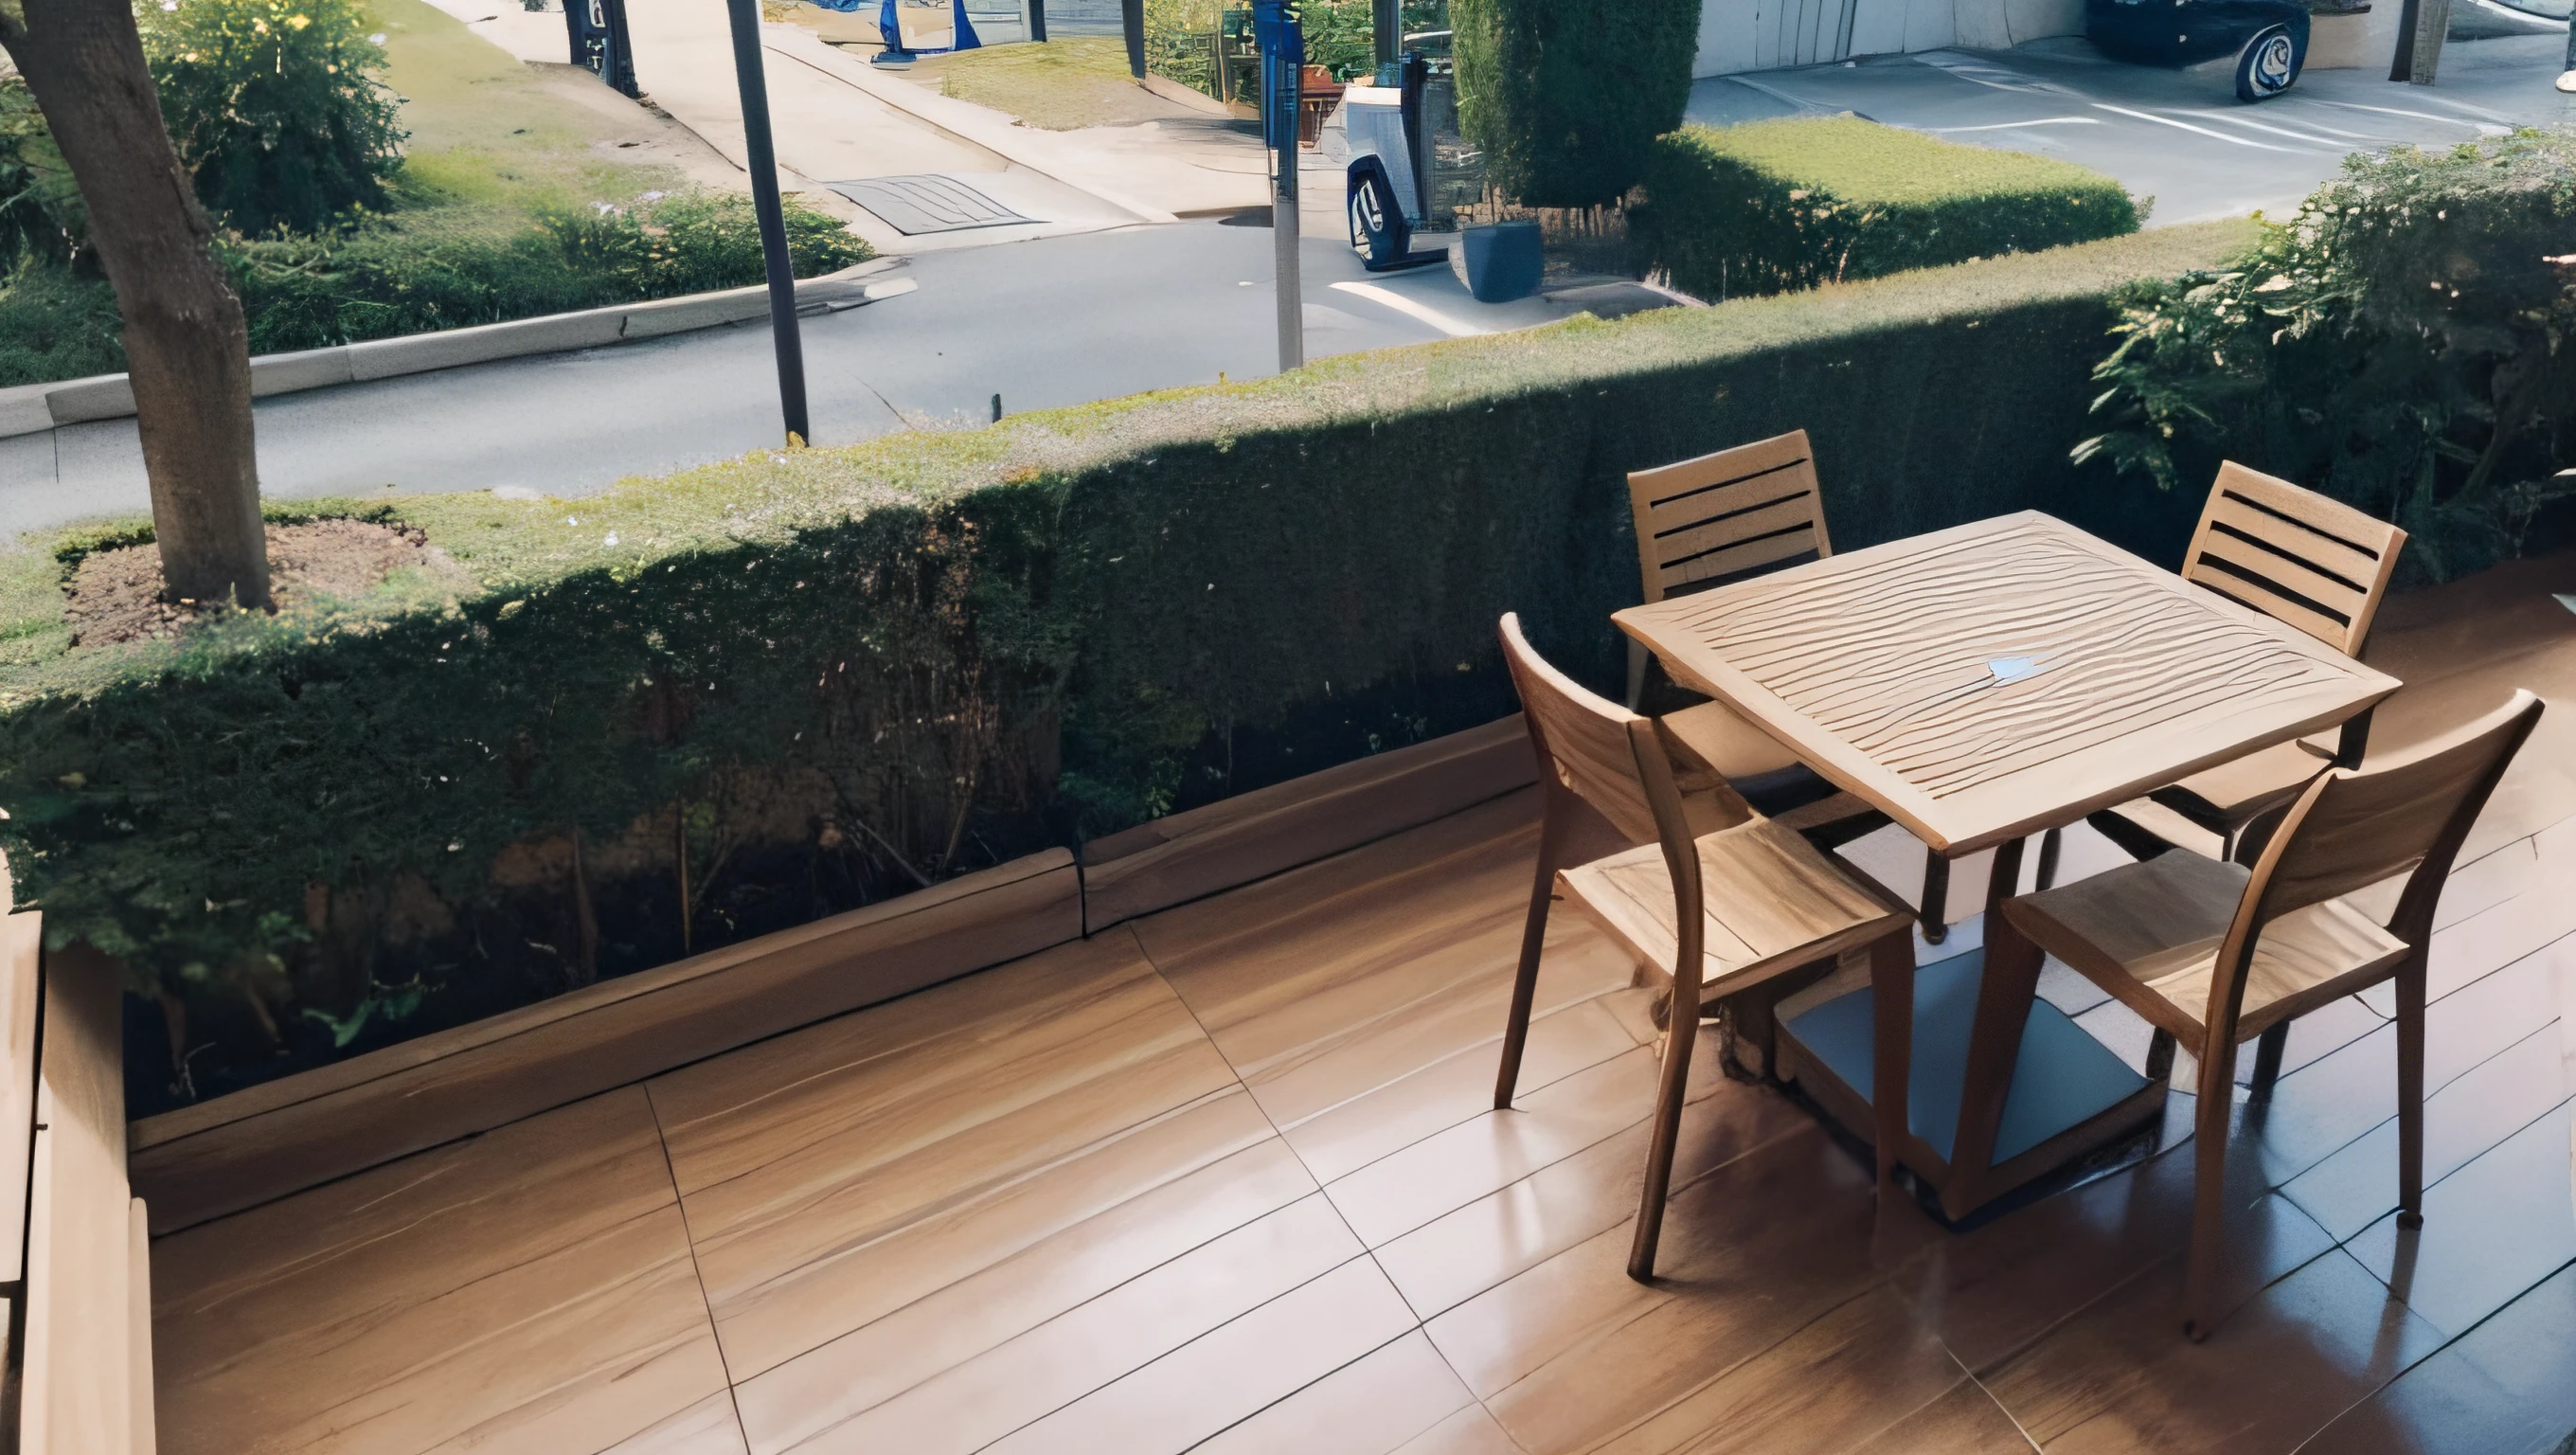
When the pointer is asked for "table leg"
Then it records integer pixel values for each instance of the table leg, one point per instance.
(1891, 980)
(2005, 992)
(1936, 897)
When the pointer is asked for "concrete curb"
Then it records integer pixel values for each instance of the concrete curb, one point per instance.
(34, 408)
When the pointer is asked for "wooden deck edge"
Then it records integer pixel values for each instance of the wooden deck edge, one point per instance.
(301, 1131)
(235, 1152)
(1254, 835)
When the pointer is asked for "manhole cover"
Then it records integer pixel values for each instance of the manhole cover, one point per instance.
(928, 204)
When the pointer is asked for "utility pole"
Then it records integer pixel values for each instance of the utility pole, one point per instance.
(763, 161)
(1283, 62)
(1386, 20)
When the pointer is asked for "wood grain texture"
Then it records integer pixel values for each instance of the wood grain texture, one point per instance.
(362, 1316)
(2293, 554)
(21, 953)
(817, 1167)
(1874, 667)
(1722, 514)
(1252, 835)
(75, 1397)
(238, 1151)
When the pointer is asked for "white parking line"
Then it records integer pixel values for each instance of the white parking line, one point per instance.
(2477, 126)
(2233, 119)
(2018, 125)
(2260, 146)
(1454, 327)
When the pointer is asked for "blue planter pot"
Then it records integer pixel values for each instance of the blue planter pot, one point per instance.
(1502, 261)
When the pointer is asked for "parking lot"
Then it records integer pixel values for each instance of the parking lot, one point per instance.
(2180, 137)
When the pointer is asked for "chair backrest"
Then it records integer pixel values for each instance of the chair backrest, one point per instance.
(1614, 759)
(2293, 555)
(2351, 830)
(1706, 521)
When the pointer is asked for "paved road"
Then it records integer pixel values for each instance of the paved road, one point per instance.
(2180, 137)
(1049, 322)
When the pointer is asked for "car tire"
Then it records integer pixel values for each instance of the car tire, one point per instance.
(2268, 65)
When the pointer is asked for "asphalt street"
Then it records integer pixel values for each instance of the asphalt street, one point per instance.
(1054, 321)
(2180, 137)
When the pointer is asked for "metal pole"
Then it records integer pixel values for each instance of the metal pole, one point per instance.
(773, 225)
(1283, 220)
(1037, 21)
(1383, 25)
(1131, 21)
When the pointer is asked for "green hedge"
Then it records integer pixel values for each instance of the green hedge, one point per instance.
(846, 670)
(1773, 206)
(1565, 98)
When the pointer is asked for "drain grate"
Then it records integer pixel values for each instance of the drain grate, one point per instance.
(928, 204)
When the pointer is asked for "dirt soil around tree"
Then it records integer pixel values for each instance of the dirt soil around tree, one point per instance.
(115, 595)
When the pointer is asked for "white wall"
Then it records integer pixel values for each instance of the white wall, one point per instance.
(1752, 35)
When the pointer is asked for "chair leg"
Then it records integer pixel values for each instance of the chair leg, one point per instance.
(1671, 1086)
(1936, 897)
(2160, 1055)
(2209, 1192)
(1891, 977)
(1636, 672)
(2410, 1093)
(2267, 1059)
(1551, 837)
(2047, 879)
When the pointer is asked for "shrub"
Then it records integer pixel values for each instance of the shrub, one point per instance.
(847, 671)
(55, 324)
(1779, 205)
(2397, 343)
(42, 216)
(1566, 97)
(275, 107)
(410, 275)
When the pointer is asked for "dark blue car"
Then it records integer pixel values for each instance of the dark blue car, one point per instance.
(2269, 38)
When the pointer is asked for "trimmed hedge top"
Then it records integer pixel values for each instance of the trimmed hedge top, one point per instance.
(1772, 206)
(1874, 165)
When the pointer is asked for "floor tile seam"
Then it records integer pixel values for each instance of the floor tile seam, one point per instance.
(2375, 1127)
(920, 1046)
(1519, 1091)
(697, 1275)
(984, 1191)
(1329, 1373)
(2543, 948)
(2383, 1028)
(1722, 1375)
(2430, 1092)
(2554, 1108)
(1321, 1189)
(1297, 1058)
(998, 1118)
(1192, 1340)
(2447, 1341)
(1971, 1376)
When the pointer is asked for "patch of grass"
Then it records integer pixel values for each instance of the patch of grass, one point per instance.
(1063, 85)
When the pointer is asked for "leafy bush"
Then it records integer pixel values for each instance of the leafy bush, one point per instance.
(55, 324)
(409, 275)
(1566, 97)
(851, 670)
(398, 277)
(42, 217)
(2397, 343)
(275, 107)
(1779, 205)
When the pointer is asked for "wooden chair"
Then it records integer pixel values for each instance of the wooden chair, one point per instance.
(2214, 952)
(1717, 899)
(1715, 519)
(2300, 558)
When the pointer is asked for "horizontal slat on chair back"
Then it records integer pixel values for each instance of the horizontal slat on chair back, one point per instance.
(2294, 555)
(2366, 827)
(1705, 520)
(1584, 736)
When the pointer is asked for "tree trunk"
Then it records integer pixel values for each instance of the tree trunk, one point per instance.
(186, 348)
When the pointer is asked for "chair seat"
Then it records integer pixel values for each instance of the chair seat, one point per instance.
(2150, 933)
(2227, 796)
(1720, 737)
(1770, 900)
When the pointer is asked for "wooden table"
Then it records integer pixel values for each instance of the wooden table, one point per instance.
(1978, 685)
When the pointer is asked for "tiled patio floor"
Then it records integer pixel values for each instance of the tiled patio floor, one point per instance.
(1224, 1178)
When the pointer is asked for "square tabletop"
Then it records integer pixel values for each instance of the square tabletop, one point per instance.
(1984, 682)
